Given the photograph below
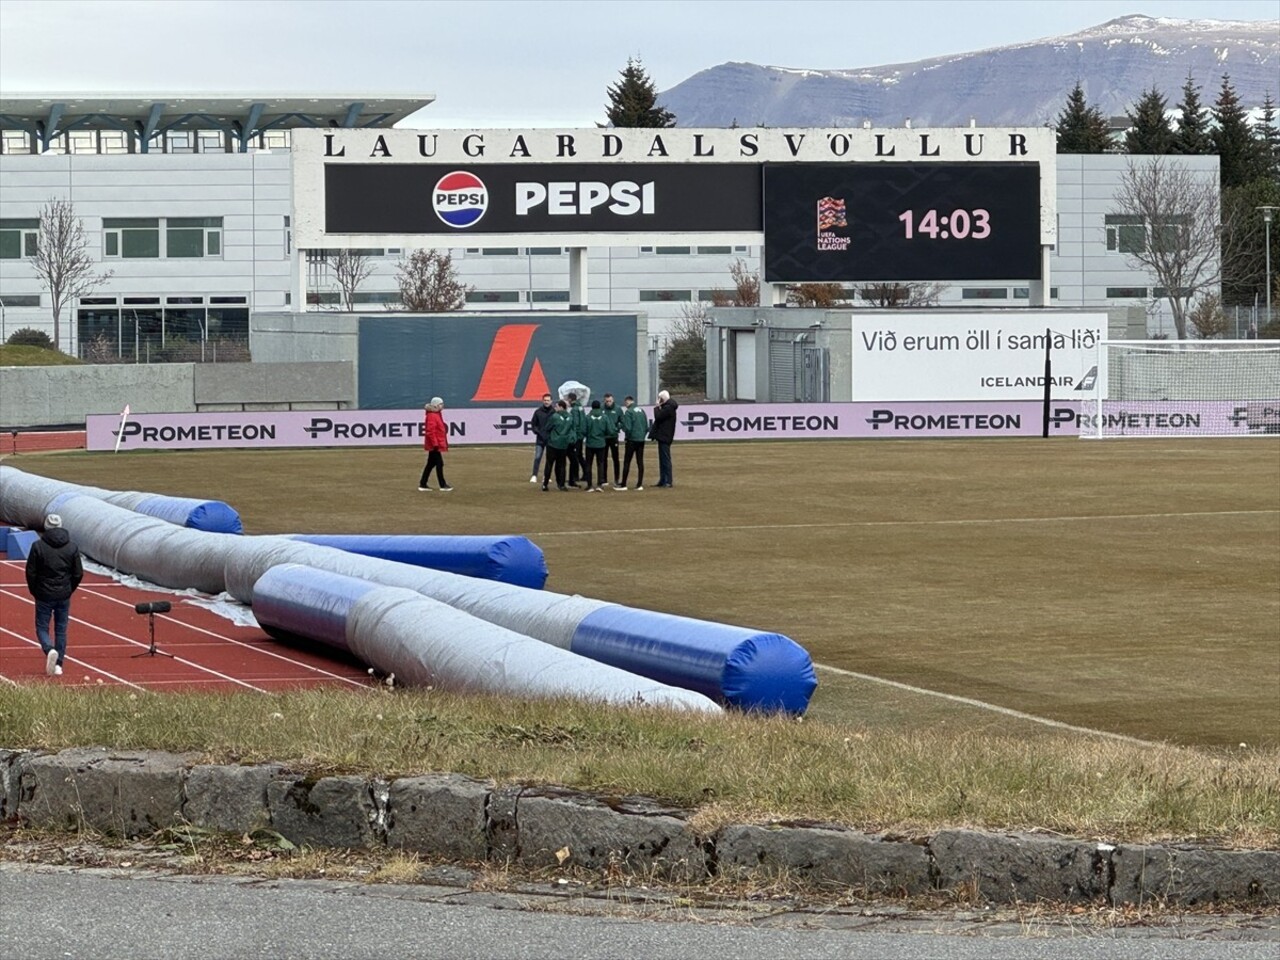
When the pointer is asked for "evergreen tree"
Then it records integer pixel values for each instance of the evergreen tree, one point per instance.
(1267, 134)
(1192, 136)
(1081, 128)
(1239, 154)
(1150, 133)
(633, 100)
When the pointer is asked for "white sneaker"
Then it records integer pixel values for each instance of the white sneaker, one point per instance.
(445, 489)
(639, 488)
(424, 489)
(534, 478)
(51, 662)
(619, 489)
(57, 671)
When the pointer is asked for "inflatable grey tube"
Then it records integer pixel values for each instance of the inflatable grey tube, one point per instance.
(426, 642)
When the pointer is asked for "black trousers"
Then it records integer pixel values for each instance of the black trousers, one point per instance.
(665, 477)
(635, 448)
(611, 451)
(577, 462)
(555, 461)
(595, 459)
(435, 461)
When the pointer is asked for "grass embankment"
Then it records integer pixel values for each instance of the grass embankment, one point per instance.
(733, 768)
(25, 356)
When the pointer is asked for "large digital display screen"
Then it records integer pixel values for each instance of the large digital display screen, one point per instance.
(901, 222)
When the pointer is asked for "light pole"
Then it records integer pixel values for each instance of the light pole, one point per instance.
(1267, 213)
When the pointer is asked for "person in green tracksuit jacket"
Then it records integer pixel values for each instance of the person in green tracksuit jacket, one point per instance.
(559, 439)
(612, 413)
(635, 430)
(577, 464)
(597, 432)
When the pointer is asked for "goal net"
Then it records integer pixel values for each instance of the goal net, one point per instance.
(1184, 388)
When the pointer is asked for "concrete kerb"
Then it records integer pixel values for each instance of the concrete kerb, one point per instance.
(133, 793)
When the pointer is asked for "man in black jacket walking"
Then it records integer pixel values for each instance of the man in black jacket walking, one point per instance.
(664, 431)
(54, 571)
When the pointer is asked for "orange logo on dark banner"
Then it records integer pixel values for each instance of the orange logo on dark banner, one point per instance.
(507, 360)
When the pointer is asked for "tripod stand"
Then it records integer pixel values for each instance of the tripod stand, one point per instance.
(151, 609)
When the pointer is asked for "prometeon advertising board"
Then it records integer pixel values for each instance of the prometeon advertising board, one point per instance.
(370, 198)
(473, 360)
(953, 355)
(901, 222)
(597, 187)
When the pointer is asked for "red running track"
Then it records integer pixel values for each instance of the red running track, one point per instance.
(210, 652)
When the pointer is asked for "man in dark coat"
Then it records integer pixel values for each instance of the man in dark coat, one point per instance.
(538, 424)
(664, 431)
(54, 571)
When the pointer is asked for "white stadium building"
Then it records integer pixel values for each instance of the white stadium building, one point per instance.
(188, 202)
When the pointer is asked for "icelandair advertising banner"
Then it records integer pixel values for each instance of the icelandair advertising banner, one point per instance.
(730, 421)
(948, 355)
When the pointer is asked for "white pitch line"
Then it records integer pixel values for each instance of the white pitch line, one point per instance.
(907, 523)
(144, 646)
(994, 708)
(239, 643)
(68, 657)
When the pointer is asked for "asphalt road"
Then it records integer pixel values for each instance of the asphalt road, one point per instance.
(59, 912)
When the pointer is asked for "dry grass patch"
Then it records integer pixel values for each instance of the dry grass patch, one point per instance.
(735, 768)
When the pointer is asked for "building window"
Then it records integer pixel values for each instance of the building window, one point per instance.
(288, 237)
(20, 300)
(1129, 233)
(228, 299)
(193, 237)
(672, 251)
(1024, 293)
(18, 238)
(185, 238)
(131, 237)
(984, 293)
(709, 251)
(1126, 293)
(549, 296)
(493, 296)
(544, 251)
(500, 252)
(666, 296)
(376, 297)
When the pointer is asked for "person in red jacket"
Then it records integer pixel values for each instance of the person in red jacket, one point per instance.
(436, 442)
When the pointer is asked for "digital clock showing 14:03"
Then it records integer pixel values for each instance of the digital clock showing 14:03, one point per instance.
(956, 225)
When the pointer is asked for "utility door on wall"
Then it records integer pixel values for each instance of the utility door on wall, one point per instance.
(744, 365)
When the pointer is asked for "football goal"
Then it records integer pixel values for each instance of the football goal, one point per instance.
(1184, 388)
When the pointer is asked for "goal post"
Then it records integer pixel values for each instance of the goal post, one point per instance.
(1184, 388)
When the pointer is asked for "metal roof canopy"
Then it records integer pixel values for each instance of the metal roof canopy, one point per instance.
(244, 117)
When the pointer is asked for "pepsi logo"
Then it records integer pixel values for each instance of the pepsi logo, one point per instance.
(460, 199)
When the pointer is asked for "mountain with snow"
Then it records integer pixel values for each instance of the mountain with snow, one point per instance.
(1024, 84)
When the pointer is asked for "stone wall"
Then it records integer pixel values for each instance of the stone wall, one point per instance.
(134, 793)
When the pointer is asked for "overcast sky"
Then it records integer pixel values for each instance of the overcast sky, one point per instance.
(496, 63)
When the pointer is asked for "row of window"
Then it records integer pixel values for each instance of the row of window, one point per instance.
(142, 238)
(118, 142)
(1130, 233)
(162, 237)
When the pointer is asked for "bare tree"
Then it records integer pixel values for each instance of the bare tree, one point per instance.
(1179, 231)
(821, 295)
(429, 283)
(746, 287)
(350, 268)
(1208, 321)
(62, 260)
(914, 294)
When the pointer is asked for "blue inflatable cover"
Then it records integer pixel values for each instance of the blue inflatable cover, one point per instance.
(305, 602)
(211, 516)
(740, 667)
(514, 560)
